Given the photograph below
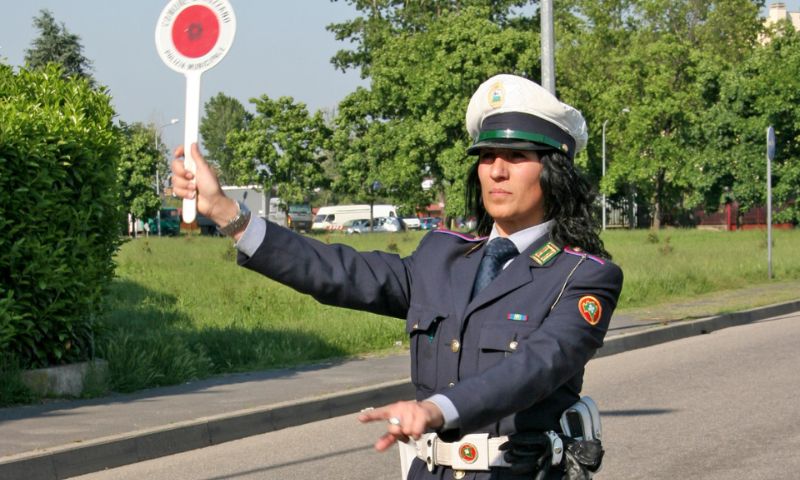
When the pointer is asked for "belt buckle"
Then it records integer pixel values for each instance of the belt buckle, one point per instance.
(471, 452)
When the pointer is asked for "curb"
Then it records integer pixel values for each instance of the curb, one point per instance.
(115, 451)
(676, 330)
(118, 450)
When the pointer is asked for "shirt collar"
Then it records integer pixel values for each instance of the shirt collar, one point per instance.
(525, 237)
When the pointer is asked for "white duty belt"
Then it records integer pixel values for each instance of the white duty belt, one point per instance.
(473, 452)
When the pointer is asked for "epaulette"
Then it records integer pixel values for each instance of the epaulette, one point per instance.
(578, 252)
(462, 236)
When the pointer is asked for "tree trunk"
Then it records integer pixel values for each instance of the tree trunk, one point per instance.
(657, 206)
(632, 223)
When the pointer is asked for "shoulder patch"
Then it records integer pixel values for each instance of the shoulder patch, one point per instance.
(545, 254)
(578, 251)
(462, 236)
(590, 309)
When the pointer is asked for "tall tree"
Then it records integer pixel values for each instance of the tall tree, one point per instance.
(136, 172)
(762, 90)
(223, 115)
(55, 44)
(410, 122)
(662, 60)
(381, 20)
(281, 149)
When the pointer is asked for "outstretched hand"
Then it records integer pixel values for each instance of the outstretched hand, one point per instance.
(404, 420)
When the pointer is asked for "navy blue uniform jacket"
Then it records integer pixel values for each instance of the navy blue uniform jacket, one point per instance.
(511, 359)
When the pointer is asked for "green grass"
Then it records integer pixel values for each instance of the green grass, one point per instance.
(180, 308)
(674, 265)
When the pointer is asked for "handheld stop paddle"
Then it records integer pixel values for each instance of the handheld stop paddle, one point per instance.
(191, 37)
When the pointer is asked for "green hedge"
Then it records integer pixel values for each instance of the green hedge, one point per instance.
(58, 214)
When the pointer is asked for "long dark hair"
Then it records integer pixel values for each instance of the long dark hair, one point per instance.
(568, 201)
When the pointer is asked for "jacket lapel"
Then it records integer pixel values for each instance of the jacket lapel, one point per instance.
(462, 276)
(518, 273)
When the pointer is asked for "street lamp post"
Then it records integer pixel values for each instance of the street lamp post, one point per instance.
(624, 110)
(547, 46)
(604, 172)
(158, 180)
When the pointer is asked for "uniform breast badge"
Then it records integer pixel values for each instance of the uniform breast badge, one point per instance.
(590, 309)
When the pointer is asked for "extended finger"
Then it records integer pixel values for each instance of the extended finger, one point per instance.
(374, 415)
(387, 440)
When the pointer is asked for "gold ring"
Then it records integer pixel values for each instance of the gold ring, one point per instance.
(394, 421)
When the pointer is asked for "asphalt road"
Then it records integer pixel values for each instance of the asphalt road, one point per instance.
(717, 406)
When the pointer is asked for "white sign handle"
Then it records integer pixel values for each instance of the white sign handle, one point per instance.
(190, 136)
(191, 37)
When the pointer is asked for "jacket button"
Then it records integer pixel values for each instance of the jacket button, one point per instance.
(415, 326)
(455, 346)
(459, 474)
(513, 345)
(451, 385)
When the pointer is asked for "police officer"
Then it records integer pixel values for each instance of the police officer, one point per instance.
(501, 325)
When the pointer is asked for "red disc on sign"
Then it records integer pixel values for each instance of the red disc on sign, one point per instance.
(195, 31)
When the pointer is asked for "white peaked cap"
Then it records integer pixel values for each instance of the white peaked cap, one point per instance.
(508, 111)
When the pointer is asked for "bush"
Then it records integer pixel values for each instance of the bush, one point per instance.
(58, 214)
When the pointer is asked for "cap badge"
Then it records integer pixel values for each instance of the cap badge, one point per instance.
(590, 309)
(468, 452)
(497, 95)
(545, 254)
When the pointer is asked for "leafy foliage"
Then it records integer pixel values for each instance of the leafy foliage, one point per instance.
(663, 62)
(409, 125)
(763, 90)
(58, 210)
(136, 170)
(280, 149)
(384, 19)
(56, 44)
(223, 115)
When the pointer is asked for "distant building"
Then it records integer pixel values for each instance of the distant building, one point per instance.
(778, 12)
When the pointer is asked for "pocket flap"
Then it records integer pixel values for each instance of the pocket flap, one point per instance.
(420, 319)
(501, 339)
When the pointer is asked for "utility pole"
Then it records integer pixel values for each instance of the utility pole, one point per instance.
(604, 172)
(158, 180)
(548, 46)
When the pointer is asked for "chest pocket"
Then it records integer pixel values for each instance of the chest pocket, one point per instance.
(422, 326)
(497, 342)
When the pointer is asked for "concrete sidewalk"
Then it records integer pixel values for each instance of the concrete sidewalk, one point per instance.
(67, 438)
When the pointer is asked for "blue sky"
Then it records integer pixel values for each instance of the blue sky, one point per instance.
(281, 48)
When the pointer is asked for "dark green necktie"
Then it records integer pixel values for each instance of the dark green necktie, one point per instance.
(498, 252)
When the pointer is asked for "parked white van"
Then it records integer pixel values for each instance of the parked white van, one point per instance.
(334, 217)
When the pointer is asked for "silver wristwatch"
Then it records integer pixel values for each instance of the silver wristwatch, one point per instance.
(238, 222)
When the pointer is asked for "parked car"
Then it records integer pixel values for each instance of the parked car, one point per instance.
(359, 225)
(388, 224)
(430, 223)
(412, 223)
(299, 217)
(170, 222)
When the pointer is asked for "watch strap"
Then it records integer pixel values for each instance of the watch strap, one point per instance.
(238, 222)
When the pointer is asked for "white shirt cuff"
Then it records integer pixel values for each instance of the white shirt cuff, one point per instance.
(449, 411)
(253, 236)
